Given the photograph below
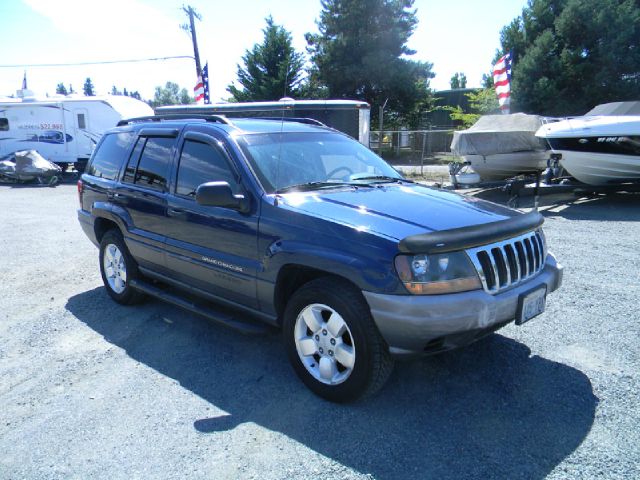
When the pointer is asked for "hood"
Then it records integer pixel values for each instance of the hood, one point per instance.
(397, 211)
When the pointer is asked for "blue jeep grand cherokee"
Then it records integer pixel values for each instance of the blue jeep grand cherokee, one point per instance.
(303, 228)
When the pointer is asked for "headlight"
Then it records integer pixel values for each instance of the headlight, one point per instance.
(436, 274)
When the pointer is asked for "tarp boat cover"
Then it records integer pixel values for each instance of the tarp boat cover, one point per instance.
(28, 164)
(615, 109)
(495, 134)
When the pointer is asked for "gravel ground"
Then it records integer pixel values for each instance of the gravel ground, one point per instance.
(91, 389)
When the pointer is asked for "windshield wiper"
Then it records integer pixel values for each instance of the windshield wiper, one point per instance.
(383, 178)
(317, 186)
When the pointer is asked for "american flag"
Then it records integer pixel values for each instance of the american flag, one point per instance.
(502, 81)
(201, 90)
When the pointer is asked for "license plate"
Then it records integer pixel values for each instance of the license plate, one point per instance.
(531, 305)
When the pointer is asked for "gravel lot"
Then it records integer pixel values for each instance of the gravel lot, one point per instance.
(90, 389)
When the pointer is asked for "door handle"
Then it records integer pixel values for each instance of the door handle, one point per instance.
(176, 212)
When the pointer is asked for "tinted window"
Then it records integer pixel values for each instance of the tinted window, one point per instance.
(154, 163)
(4, 124)
(110, 154)
(130, 172)
(200, 163)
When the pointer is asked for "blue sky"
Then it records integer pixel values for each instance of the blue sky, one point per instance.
(455, 35)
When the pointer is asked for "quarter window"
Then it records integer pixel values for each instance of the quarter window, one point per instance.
(108, 157)
(201, 163)
(154, 163)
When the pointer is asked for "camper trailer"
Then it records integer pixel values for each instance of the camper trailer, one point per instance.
(348, 116)
(63, 130)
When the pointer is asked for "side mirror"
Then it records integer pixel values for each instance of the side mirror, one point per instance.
(219, 194)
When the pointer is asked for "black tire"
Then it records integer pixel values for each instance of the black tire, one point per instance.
(128, 295)
(373, 364)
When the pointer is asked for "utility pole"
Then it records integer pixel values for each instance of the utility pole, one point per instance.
(191, 28)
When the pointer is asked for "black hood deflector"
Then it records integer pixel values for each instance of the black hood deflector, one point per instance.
(472, 236)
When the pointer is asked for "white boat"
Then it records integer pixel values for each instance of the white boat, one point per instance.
(502, 146)
(600, 148)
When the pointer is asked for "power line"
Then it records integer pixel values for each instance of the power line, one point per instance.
(106, 62)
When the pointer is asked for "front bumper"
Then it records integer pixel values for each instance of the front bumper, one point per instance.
(422, 324)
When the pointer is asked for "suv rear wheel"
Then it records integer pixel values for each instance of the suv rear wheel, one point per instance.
(332, 341)
(118, 268)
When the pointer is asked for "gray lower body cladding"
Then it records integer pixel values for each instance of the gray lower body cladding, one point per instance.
(419, 324)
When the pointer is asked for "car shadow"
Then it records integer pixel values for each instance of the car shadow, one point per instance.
(490, 410)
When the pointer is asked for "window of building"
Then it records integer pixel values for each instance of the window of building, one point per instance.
(4, 124)
(81, 122)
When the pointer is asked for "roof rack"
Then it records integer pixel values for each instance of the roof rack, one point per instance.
(176, 116)
(308, 121)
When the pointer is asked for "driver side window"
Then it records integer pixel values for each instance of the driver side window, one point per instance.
(201, 163)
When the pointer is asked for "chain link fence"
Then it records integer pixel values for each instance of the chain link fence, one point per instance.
(412, 147)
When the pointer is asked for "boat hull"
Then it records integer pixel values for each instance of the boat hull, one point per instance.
(601, 168)
(506, 165)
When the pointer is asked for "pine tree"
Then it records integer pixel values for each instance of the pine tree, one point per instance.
(272, 69)
(88, 88)
(360, 53)
(61, 89)
(570, 55)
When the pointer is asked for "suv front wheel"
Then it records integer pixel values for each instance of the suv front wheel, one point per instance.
(118, 268)
(332, 341)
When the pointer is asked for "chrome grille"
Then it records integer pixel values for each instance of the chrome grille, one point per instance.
(502, 265)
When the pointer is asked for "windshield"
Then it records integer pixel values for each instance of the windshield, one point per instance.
(285, 160)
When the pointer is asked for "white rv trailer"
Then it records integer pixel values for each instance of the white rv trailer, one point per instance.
(349, 116)
(64, 130)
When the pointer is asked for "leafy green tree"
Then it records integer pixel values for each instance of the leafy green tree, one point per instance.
(458, 80)
(61, 89)
(481, 102)
(360, 53)
(88, 88)
(571, 55)
(271, 70)
(170, 94)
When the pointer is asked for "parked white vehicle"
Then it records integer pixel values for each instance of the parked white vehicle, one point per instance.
(64, 130)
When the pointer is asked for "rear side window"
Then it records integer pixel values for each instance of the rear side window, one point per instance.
(110, 155)
(154, 163)
(130, 171)
(200, 163)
